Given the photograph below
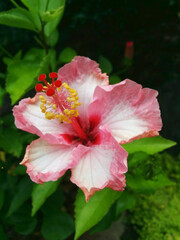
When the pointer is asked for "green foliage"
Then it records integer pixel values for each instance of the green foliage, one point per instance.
(40, 193)
(53, 15)
(2, 95)
(22, 220)
(66, 55)
(57, 226)
(87, 214)
(22, 72)
(105, 65)
(2, 234)
(23, 193)
(158, 216)
(149, 145)
(17, 17)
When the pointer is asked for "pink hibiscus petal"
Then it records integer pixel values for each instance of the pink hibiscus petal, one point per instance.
(84, 75)
(102, 165)
(28, 117)
(48, 162)
(127, 110)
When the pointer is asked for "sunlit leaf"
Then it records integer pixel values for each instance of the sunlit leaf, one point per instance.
(17, 17)
(89, 214)
(53, 5)
(149, 145)
(139, 184)
(22, 73)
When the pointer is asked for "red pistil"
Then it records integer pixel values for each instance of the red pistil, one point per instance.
(49, 89)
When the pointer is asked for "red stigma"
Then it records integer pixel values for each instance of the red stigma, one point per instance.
(42, 77)
(50, 92)
(53, 75)
(58, 83)
(50, 88)
(39, 87)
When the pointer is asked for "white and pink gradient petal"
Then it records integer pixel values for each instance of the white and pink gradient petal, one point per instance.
(83, 75)
(48, 162)
(127, 110)
(102, 165)
(28, 117)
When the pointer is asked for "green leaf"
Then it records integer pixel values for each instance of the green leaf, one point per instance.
(53, 5)
(17, 17)
(54, 37)
(19, 170)
(40, 193)
(22, 73)
(149, 145)
(105, 65)
(32, 5)
(1, 198)
(114, 79)
(52, 14)
(66, 55)
(138, 184)
(22, 220)
(9, 141)
(87, 214)
(57, 226)
(2, 95)
(106, 222)
(2, 234)
(24, 190)
(126, 201)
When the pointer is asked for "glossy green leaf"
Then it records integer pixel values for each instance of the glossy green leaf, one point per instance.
(24, 190)
(32, 5)
(23, 72)
(17, 17)
(52, 14)
(53, 38)
(66, 55)
(139, 184)
(40, 193)
(3, 236)
(87, 214)
(106, 222)
(57, 226)
(149, 145)
(53, 5)
(105, 65)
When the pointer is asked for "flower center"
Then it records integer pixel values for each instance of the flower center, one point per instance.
(60, 101)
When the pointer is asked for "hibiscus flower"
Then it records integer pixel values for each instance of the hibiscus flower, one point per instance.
(82, 121)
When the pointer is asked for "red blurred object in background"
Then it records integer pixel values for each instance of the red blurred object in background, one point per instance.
(129, 50)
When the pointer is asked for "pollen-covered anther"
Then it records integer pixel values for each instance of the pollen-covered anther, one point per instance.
(49, 115)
